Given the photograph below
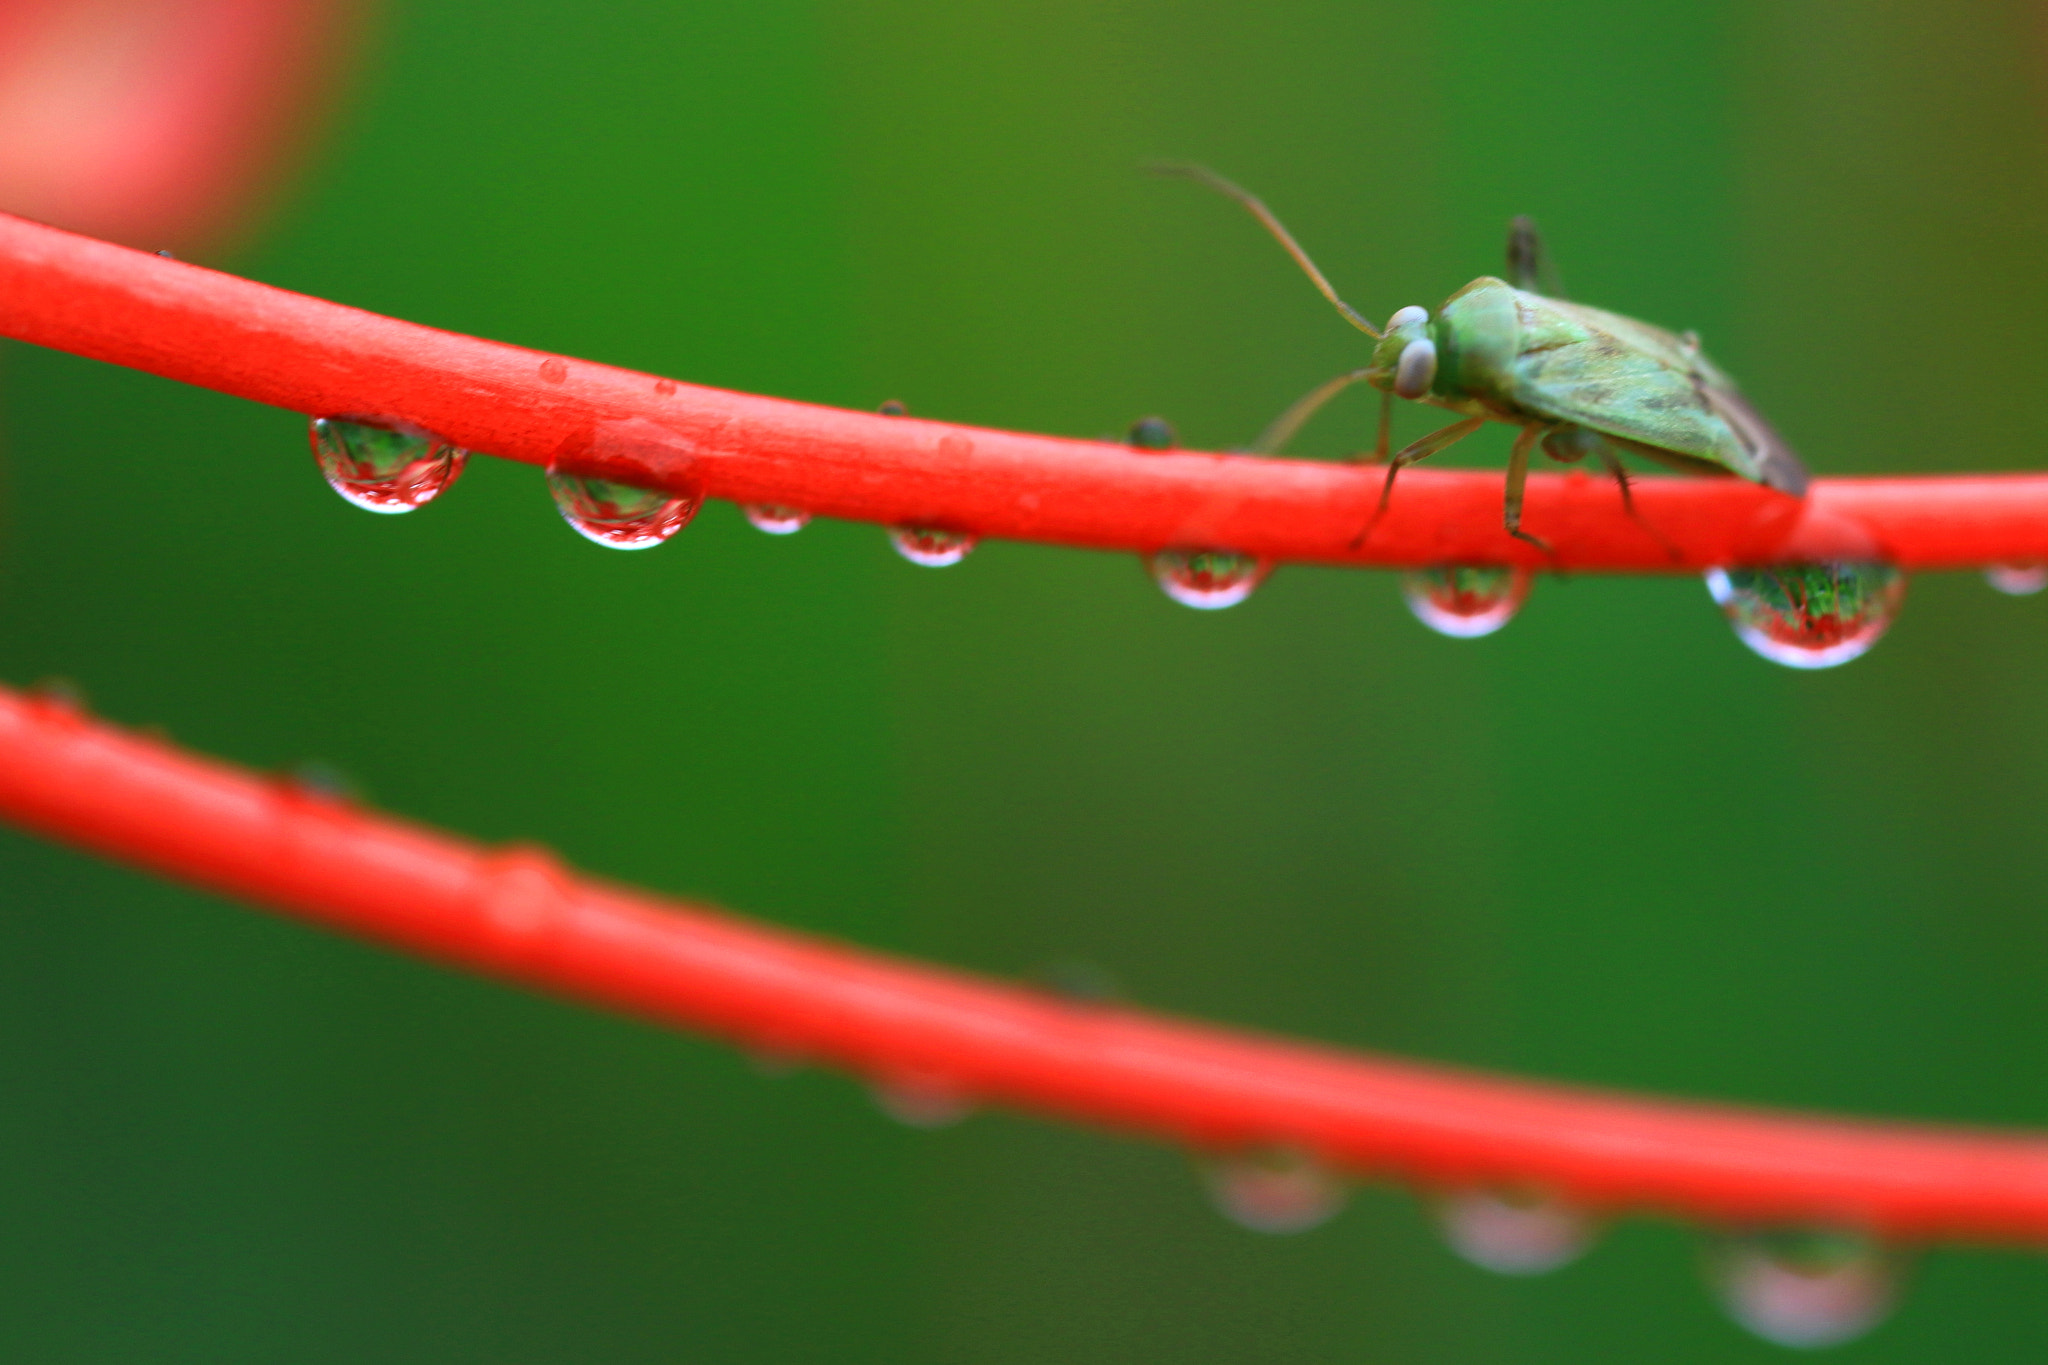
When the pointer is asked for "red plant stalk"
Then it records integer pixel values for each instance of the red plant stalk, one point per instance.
(517, 914)
(230, 334)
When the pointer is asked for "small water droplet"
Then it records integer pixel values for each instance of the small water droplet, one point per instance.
(58, 698)
(314, 780)
(554, 369)
(1514, 1231)
(619, 515)
(2017, 580)
(1465, 601)
(1079, 980)
(893, 407)
(384, 467)
(1805, 1288)
(166, 253)
(930, 546)
(776, 520)
(1274, 1189)
(1151, 433)
(921, 1101)
(1207, 580)
(665, 387)
(1809, 615)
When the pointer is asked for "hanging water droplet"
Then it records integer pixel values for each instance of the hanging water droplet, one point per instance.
(930, 546)
(1207, 580)
(1274, 1189)
(776, 520)
(893, 407)
(621, 515)
(1809, 615)
(1805, 1288)
(384, 467)
(2017, 580)
(1151, 433)
(921, 1101)
(1465, 601)
(1514, 1231)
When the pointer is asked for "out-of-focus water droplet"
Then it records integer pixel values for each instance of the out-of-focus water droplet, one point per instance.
(1805, 1288)
(1466, 601)
(2017, 580)
(1274, 1189)
(1809, 615)
(315, 780)
(1207, 580)
(384, 467)
(930, 546)
(921, 1101)
(1079, 980)
(776, 520)
(1514, 1231)
(620, 515)
(58, 697)
(893, 407)
(1151, 433)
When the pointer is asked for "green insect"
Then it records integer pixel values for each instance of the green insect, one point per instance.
(1576, 380)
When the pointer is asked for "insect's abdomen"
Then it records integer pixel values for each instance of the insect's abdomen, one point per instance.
(1478, 335)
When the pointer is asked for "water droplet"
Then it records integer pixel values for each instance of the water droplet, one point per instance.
(1079, 980)
(1809, 615)
(776, 520)
(1274, 1189)
(1151, 433)
(1466, 601)
(1207, 580)
(1514, 1231)
(1805, 1288)
(930, 546)
(58, 698)
(893, 407)
(384, 467)
(2017, 580)
(922, 1101)
(665, 387)
(619, 514)
(554, 369)
(314, 780)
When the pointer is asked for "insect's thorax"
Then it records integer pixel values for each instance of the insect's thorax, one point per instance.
(1478, 333)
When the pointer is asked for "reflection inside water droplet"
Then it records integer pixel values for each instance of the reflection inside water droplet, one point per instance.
(921, 1101)
(620, 515)
(776, 520)
(1207, 580)
(1513, 1232)
(1465, 601)
(384, 467)
(930, 546)
(1805, 1288)
(1809, 615)
(1151, 433)
(2017, 580)
(1274, 1189)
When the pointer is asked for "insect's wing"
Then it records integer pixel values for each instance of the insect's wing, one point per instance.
(1776, 464)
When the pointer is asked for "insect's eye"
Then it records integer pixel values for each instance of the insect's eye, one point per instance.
(1415, 371)
(1408, 317)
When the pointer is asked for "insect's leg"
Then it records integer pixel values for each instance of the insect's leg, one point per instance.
(1283, 427)
(1518, 476)
(1529, 264)
(1440, 439)
(1379, 447)
(1258, 210)
(1628, 500)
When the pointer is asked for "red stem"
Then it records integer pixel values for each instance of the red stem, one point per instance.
(517, 914)
(215, 330)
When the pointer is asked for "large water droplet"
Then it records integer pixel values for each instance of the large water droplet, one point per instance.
(1465, 601)
(2017, 580)
(776, 520)
(384, 467)
(921, 1101)
(1805, 1288)
(1514, 1231)
(930, 546)
(620, 515)
(1274, 1189)
(1207, 580)
(1809, 615)
(1151, 433)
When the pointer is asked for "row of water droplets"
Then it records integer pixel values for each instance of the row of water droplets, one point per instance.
(1805, 616)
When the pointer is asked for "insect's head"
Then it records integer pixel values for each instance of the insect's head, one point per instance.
(1404, 363)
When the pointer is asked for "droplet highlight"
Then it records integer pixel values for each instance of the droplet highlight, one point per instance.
(1809, 615)
(1805, 1288)
(921, 1101)
(1274, 1189)
(620, 516)
(1466, 601)
(384, 467)
(1512, 1231)
(776, 520)
(931, 546)
(2017, 580)
(1151, 433)
(1207, 580)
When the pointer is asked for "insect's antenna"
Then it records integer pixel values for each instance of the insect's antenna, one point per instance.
(1204, 175)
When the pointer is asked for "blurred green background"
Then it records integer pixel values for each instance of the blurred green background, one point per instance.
(1609, 845)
